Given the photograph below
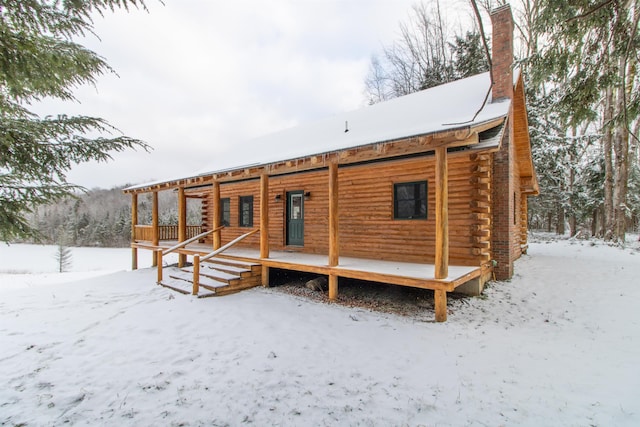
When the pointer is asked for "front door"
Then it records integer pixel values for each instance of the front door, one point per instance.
(295, 218)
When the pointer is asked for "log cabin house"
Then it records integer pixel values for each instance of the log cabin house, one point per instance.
(426, 190)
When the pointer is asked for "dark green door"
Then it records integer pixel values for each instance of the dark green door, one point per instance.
(295, 218)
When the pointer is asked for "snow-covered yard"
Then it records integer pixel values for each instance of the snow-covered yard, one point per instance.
(557, 345)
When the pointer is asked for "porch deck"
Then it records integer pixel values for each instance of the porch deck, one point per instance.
(416, 275)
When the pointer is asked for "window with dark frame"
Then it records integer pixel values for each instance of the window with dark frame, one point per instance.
(410, 200)
(225, 212)
(246, 211)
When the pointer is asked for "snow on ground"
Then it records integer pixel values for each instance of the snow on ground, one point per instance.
(557, 345)
(18, 262)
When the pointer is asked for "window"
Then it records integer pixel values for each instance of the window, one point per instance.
(225, 212)
(246, 211)
(410, 200)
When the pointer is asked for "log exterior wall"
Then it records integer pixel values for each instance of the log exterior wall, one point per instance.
(481, 207)
(367, 226)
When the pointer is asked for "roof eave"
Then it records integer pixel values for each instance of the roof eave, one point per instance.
(464, 135)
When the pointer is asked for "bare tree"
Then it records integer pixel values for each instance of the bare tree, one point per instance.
(421, 57)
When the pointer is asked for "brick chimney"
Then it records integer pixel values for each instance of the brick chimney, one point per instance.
(502, 52)
(505, 245)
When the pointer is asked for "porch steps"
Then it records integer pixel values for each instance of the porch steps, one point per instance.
(217, 277)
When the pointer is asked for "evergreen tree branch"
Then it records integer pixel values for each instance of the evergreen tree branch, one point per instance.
(39, 59)
(591, 11)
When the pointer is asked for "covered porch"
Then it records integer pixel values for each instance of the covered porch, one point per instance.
(435, 273)
(417, 275)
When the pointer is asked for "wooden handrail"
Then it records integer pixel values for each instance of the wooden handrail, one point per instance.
(193, 239)
(228, 245)
(197, 259)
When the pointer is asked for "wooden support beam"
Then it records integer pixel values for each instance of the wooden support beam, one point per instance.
(265, 276)
(264, 216)
(134, 258)
(333, 287)
(523, 220)
(155, 224)
(440, 297)
(217, 215)
(264, 226)
(334, 241)
(442, 215)
(196, 275)
(182, 223)
(158, 258)
(134, 222)
(334, 231)
(134, 215)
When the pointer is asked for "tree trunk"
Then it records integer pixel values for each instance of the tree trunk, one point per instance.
(594, 222)
(560, 224)
(572, 180)
(621, 181)
(573, 225)
(607, 143)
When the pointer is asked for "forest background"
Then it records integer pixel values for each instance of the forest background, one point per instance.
(580, 64)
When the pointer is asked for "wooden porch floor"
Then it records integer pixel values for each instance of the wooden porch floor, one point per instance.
(398, 273)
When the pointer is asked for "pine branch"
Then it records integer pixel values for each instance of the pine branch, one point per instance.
(591, 11)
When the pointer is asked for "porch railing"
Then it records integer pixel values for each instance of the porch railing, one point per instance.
(165, 232)
(143, 232)
(170, 232)
(190, 240)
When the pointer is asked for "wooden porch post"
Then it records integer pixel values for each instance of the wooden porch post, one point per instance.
(334, 235)
(195, 290)
(264, 225)
(217, 215)
(154, 225)
(158, 257)
(182, 223)
(134, 222)
(442, 215)
(440, 297)
(442, 231)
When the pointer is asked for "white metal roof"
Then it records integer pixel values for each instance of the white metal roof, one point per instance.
(447, 107)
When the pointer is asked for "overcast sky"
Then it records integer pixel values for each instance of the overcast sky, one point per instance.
(198, 77)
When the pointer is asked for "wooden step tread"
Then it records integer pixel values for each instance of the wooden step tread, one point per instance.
(214, 274)
(204, 281)
(233, 263)
(183, 287)
(231, 269)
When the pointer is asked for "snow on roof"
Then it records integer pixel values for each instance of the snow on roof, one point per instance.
(446, 107)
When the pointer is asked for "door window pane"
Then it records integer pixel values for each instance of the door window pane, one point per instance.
(295, 211)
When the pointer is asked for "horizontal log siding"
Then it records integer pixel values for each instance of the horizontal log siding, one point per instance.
(367, 227)
(233, 191)
(316, 210)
